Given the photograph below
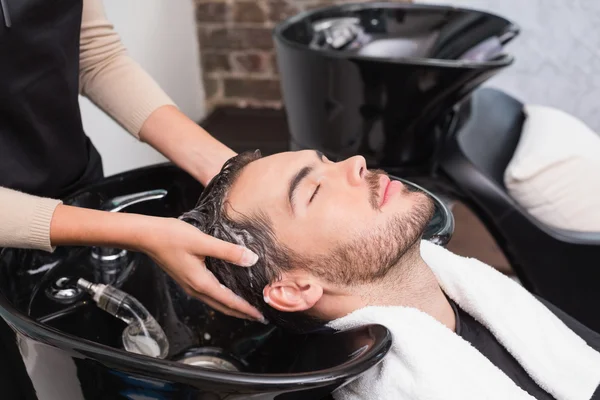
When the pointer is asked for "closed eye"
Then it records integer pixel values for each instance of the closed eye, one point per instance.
(314, 194)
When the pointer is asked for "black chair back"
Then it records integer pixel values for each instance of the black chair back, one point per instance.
(561, 266)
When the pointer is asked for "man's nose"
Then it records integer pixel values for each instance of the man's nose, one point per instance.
(356, 169)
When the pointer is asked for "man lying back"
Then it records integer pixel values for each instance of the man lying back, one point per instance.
(341, 245)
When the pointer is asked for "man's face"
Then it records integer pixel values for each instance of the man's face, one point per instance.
(352, 219)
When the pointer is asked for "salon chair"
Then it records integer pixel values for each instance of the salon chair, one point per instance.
(401, 85)
(558, 265)
(71, 349)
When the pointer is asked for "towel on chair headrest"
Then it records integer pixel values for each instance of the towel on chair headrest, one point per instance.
(429, 361)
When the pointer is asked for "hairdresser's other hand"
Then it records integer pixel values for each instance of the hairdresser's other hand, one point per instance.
(180, 249)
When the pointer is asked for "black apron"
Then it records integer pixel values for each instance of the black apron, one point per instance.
(43, 149)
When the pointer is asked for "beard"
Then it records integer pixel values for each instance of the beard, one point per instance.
(371, 255)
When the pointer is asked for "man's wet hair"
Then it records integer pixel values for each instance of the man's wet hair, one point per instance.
(211, 216)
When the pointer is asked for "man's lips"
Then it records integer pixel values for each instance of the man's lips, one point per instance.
(387, 188)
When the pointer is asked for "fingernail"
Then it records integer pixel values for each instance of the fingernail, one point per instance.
(263, 320)
(249, 258)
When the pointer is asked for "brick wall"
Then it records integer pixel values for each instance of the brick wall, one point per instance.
(236, 48)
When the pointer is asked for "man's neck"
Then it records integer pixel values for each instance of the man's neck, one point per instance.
(414, 286)
(411, 284)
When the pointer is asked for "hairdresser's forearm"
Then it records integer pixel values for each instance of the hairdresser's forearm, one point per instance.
(185, 143)
(75, 226)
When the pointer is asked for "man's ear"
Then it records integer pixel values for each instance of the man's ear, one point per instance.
(292, 294)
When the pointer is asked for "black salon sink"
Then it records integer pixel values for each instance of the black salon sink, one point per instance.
(380, 79)
(211, 356)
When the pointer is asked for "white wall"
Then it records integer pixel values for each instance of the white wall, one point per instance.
(557, 53)
(161, 36)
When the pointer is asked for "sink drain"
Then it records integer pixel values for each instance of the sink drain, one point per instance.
(210, 358)
(63, 290)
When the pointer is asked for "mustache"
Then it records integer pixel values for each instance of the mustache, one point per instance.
(373, 182)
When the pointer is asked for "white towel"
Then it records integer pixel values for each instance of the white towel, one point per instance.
(428, 361)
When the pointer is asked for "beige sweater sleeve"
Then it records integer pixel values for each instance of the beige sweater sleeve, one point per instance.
(114, 82)
(25, 220)
(110, 78)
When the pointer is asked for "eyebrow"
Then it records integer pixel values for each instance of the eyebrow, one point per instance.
(297, 179)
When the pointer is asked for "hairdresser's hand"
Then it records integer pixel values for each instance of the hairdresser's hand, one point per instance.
(176, 246)
(179, 249)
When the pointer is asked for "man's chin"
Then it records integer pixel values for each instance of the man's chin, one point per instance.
(414, 206)
(409, 199)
